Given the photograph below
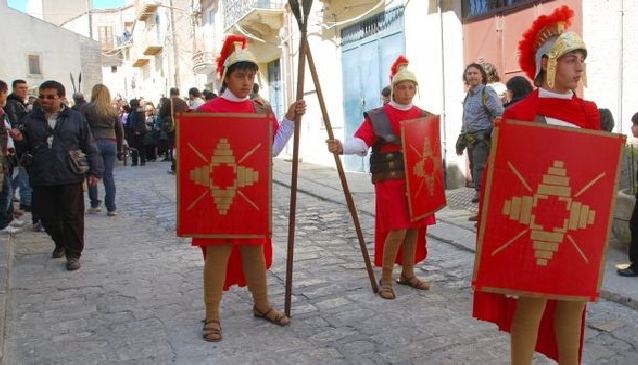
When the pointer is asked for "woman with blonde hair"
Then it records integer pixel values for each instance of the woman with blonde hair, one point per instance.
(108, 133)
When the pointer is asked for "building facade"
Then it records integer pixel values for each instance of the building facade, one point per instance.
(153, 45)
(38, 51)
(353, 44)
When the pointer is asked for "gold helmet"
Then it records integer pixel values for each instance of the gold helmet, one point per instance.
(547, 38)
(233, 51)
(399, 72)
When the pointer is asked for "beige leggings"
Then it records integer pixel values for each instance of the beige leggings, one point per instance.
(524, 331)
(393, 241)
(253, 266)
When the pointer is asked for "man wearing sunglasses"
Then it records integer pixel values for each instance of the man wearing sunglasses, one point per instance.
(50, 133)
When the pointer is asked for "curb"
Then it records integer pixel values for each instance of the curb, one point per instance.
(6, 259)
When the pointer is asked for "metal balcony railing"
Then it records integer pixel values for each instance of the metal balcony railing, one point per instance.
(235, 10)
(203, 62)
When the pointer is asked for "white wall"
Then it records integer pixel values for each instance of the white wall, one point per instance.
(441, 90)
(437, 61)
(609, 52)
(59, 49)
(326, 56)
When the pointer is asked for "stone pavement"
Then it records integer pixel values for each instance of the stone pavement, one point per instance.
(452, 225)
(138, 297)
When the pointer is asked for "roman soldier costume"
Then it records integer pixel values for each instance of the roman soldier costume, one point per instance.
(239, 261)
(553, 327)
(398, 239)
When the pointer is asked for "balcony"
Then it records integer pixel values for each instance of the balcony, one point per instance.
(152, 49)
(260, 17)
(204, 62)
(145, 8)
(141, 62)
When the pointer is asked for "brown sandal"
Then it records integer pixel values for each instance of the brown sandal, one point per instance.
(212, 331)
(414, 282)
(386, 291)
(272, 316)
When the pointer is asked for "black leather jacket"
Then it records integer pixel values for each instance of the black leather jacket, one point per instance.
(50, 165)
(15, 109)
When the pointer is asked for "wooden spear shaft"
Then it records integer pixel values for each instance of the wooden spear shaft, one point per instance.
(301, 70)
(342, 175)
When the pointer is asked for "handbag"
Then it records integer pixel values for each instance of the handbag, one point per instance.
(78, 162)
(167, 124)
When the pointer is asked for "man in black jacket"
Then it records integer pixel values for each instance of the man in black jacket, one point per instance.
(49, 134)
(16, 109)
(16, 106)
(173, 105)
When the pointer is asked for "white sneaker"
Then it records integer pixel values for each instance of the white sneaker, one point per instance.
(94, 210)
(10, 230)
(16, 223)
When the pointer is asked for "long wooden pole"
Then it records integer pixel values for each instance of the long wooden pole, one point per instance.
(301, 69)
(342, 175)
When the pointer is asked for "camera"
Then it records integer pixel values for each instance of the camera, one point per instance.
(22, 127)
(26, 159)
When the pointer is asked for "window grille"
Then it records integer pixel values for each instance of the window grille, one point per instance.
(482, 8)
(390, 20)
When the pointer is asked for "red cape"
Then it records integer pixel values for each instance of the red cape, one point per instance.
(498, 308)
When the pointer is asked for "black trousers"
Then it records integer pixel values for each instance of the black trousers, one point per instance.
(633, 246)
(61, 209)
(138, 145)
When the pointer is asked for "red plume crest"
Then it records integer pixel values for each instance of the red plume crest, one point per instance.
(401, 60)
(534, 37)
(227, 49)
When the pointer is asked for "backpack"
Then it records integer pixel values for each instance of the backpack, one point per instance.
(167, 124)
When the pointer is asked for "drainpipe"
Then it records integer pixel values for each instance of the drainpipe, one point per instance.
(176, 77)
(90, 16)
(443, 106)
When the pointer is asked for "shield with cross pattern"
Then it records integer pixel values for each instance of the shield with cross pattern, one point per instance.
(224, 175)
(421, 143)
(546, 211)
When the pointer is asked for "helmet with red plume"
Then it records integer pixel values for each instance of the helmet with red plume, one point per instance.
(547, 38)
(399, 71)
(233, 51)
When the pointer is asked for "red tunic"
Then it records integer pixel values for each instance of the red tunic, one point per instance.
(498, 308)
(234, 272)
(391, 202)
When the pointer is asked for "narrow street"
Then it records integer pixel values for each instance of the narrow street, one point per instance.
(138, 297)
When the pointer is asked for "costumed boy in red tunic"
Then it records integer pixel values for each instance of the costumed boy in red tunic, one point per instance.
(554, 59)
(397, 239)
(240, 261)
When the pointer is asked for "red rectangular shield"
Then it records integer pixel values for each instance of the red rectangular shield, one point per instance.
(223, 175)
(547, 209)
(421, 142)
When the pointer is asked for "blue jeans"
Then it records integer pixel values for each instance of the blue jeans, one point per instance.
(21, 182)
(107, 150)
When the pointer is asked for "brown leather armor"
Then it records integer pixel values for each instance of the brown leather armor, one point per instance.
(386, 165)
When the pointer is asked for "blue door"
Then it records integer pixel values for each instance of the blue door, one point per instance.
(369, 48)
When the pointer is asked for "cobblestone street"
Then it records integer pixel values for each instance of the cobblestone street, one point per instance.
(138, 297)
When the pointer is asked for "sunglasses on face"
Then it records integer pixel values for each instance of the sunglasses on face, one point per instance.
(49, 97)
